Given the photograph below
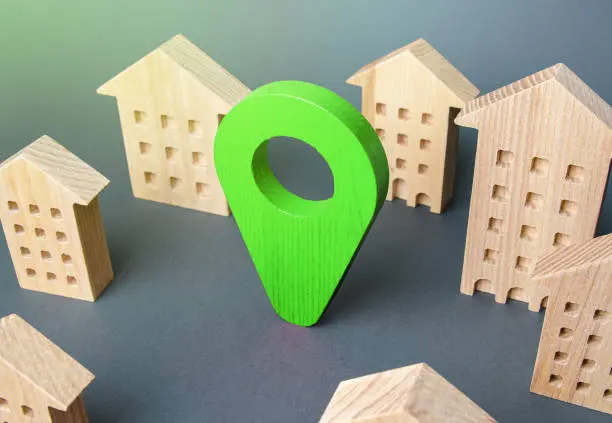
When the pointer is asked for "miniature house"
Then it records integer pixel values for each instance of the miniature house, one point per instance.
(413, 394)
(542, 164)
(170, 105)
(574, 361)
(411, 98)
(39, 383)
(51, 218)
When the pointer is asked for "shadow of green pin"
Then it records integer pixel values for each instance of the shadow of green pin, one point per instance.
(301, 248)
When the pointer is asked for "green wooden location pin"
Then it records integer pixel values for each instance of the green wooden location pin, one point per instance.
(301, 248)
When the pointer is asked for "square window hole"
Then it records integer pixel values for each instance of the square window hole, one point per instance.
(500, 193)
(571, 309)
(556, 381)
(588, 365)
(523, 264)
(575, 174)
(25, 251)
(600, 315)
(381, 133)
(39, 232)
(561, 357)
(175, 183)
(583, 388)
(166, 121)
(402, 139)
(568, 208)
(422, 169)
(19, 229)
(534, 201)
(71, 280)
(30, 272)
(491, 256)
(528, 233)
(139, 116)
(34, 210)
(144, 147)
(504, 158)
(381, 109)
(171, 153)
(45, 255)
(427, 119)
(66, 258)
(61, 237)
(424, 144)
(594, 341)
(194, 127)
(495, 225)
(403, 114)
(51, 277)
(149, 178)
(566, 333)
(400, 163)
(27, 411)
(540, 166)
(198, 159)
(13, 206)
(608, 395)
(202, 189)
(56, 213)
(561, 240)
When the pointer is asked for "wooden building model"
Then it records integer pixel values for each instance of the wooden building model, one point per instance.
(170, 105)
(51, 217)
(411, 98)
(39, 383)
(413, 394)
(574, 361)
(542, 163)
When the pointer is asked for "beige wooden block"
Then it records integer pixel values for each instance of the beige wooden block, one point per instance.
(51, 218)
(39, 383)
(542, 163)
(574, 361)
(170, 105)
(413, 394)
(411, 98)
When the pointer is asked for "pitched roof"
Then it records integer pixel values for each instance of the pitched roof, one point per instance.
(417, 393)
(82, 182)
(559, 73)
(197, 63)
(42, 363)
(574, 258)
(434, 62)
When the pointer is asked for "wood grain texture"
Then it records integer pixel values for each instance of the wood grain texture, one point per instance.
(301, 249)
(542, 164)
(39, 383)
(413, 394)
(411, 97)
(574, 361)
(51, 219)
(170, 105)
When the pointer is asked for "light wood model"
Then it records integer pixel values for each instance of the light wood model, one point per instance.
(574, 361)
(51, 217)
(542, 164)
(413, 394)
(170, 105)
(411, 98)
(39, 383)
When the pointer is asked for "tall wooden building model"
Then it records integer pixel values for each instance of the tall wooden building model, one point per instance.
(411, 98)
(170, 105)
(542, 163)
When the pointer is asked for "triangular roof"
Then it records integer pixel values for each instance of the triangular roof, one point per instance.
(417, 392)
(187, 55)
(82, 181)
(574, 258)
(559, 73)
(42, 363)
(434, 62)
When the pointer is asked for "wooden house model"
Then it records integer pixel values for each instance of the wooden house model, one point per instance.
(170, 105)
(51, 217)
(39, 383)
(574, 361)
(542, 164)
(411, 98)
(413, 394)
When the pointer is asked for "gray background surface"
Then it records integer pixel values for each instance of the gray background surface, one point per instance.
(185, 333)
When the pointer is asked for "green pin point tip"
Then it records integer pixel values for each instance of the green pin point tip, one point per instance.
(301, 248)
